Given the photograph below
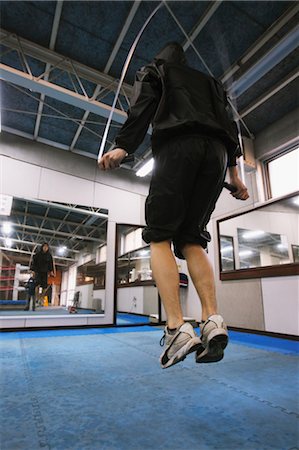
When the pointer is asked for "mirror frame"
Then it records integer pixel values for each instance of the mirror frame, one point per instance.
(118, 225)
(256, 272)
(40, 322)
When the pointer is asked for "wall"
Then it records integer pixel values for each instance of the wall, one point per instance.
(270, 304)
(30, 169)
(277, 136)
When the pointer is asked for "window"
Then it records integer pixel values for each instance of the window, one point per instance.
(283, 174)
(133, 240)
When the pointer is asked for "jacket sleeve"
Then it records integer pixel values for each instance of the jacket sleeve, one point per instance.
(232, 157)
(234, 150)
(33, 264)
(50, 264)
(144, 102)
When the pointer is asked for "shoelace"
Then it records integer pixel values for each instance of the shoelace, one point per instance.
(162, 340)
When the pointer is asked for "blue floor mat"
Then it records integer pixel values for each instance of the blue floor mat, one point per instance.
(104, 390)
(130, 319)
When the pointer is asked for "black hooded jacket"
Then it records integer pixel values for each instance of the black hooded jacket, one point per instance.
(177, 100)
(42, 262)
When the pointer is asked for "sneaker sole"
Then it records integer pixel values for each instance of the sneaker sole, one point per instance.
(214, 351)
(191, 346)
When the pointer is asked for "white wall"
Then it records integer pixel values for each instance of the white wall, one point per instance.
(29, 169)
(277, 136)
(281, 304)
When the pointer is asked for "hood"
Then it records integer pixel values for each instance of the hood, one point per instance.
(41, 248)
(172, 53)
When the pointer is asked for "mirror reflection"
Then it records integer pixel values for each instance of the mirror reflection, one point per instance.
(267, 236)
(52, 258)
(137, 295)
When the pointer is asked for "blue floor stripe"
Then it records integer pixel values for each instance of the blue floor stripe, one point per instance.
(285, 346)
(269, 343)
(73, 332)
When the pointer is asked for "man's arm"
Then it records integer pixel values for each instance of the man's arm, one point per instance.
(144, 102)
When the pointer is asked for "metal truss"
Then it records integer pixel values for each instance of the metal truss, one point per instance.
(26, 81)
(31, 229)
(110, 61)
(65, 64)
(78, 73)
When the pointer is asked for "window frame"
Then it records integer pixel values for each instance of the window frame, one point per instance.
(266, 174)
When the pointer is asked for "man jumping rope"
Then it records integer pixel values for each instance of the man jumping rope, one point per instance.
(194, 141)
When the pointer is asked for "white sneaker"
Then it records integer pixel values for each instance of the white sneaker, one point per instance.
(178, 345)
(214, 338)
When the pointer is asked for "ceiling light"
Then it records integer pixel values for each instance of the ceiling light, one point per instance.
(281, 246)
(296, 201)
(61, 250)
(146, 168)
(6, 228)
(245, 253)
(8, 242)
(5, 204)
(253, 234)
(226, 249)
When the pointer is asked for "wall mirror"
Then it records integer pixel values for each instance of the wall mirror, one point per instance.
(77, 241)
(136, 296)
(261, 242)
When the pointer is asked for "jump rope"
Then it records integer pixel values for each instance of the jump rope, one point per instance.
(237, 116)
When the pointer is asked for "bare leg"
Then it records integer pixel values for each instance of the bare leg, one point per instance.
(202, 275)
(166, 275)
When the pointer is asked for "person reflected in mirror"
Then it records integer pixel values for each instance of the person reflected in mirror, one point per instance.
(194, 142)
(42, 265)
(30, 287)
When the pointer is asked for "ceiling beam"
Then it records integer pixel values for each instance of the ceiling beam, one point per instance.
(67, 208)
(211, 9)
(32, 244)
(51, 219)
(30, 253)
(261, 41)
(60, 233)
(64, 95)
(272, 91)
(107, 67)
(55, 59)
(266, 63)
(53, 37)
(47, 142)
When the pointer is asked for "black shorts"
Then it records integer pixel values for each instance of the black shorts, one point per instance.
(41, 279)
(187, 180)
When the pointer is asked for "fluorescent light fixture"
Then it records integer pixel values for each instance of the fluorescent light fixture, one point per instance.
(61, 251)
(8, 242)
(281, 246)
(245, 253)
(5, 204)
(6, 228)
(227, 249)
(296, 201)
(144, 252)
(146, 168)
(253, 234)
